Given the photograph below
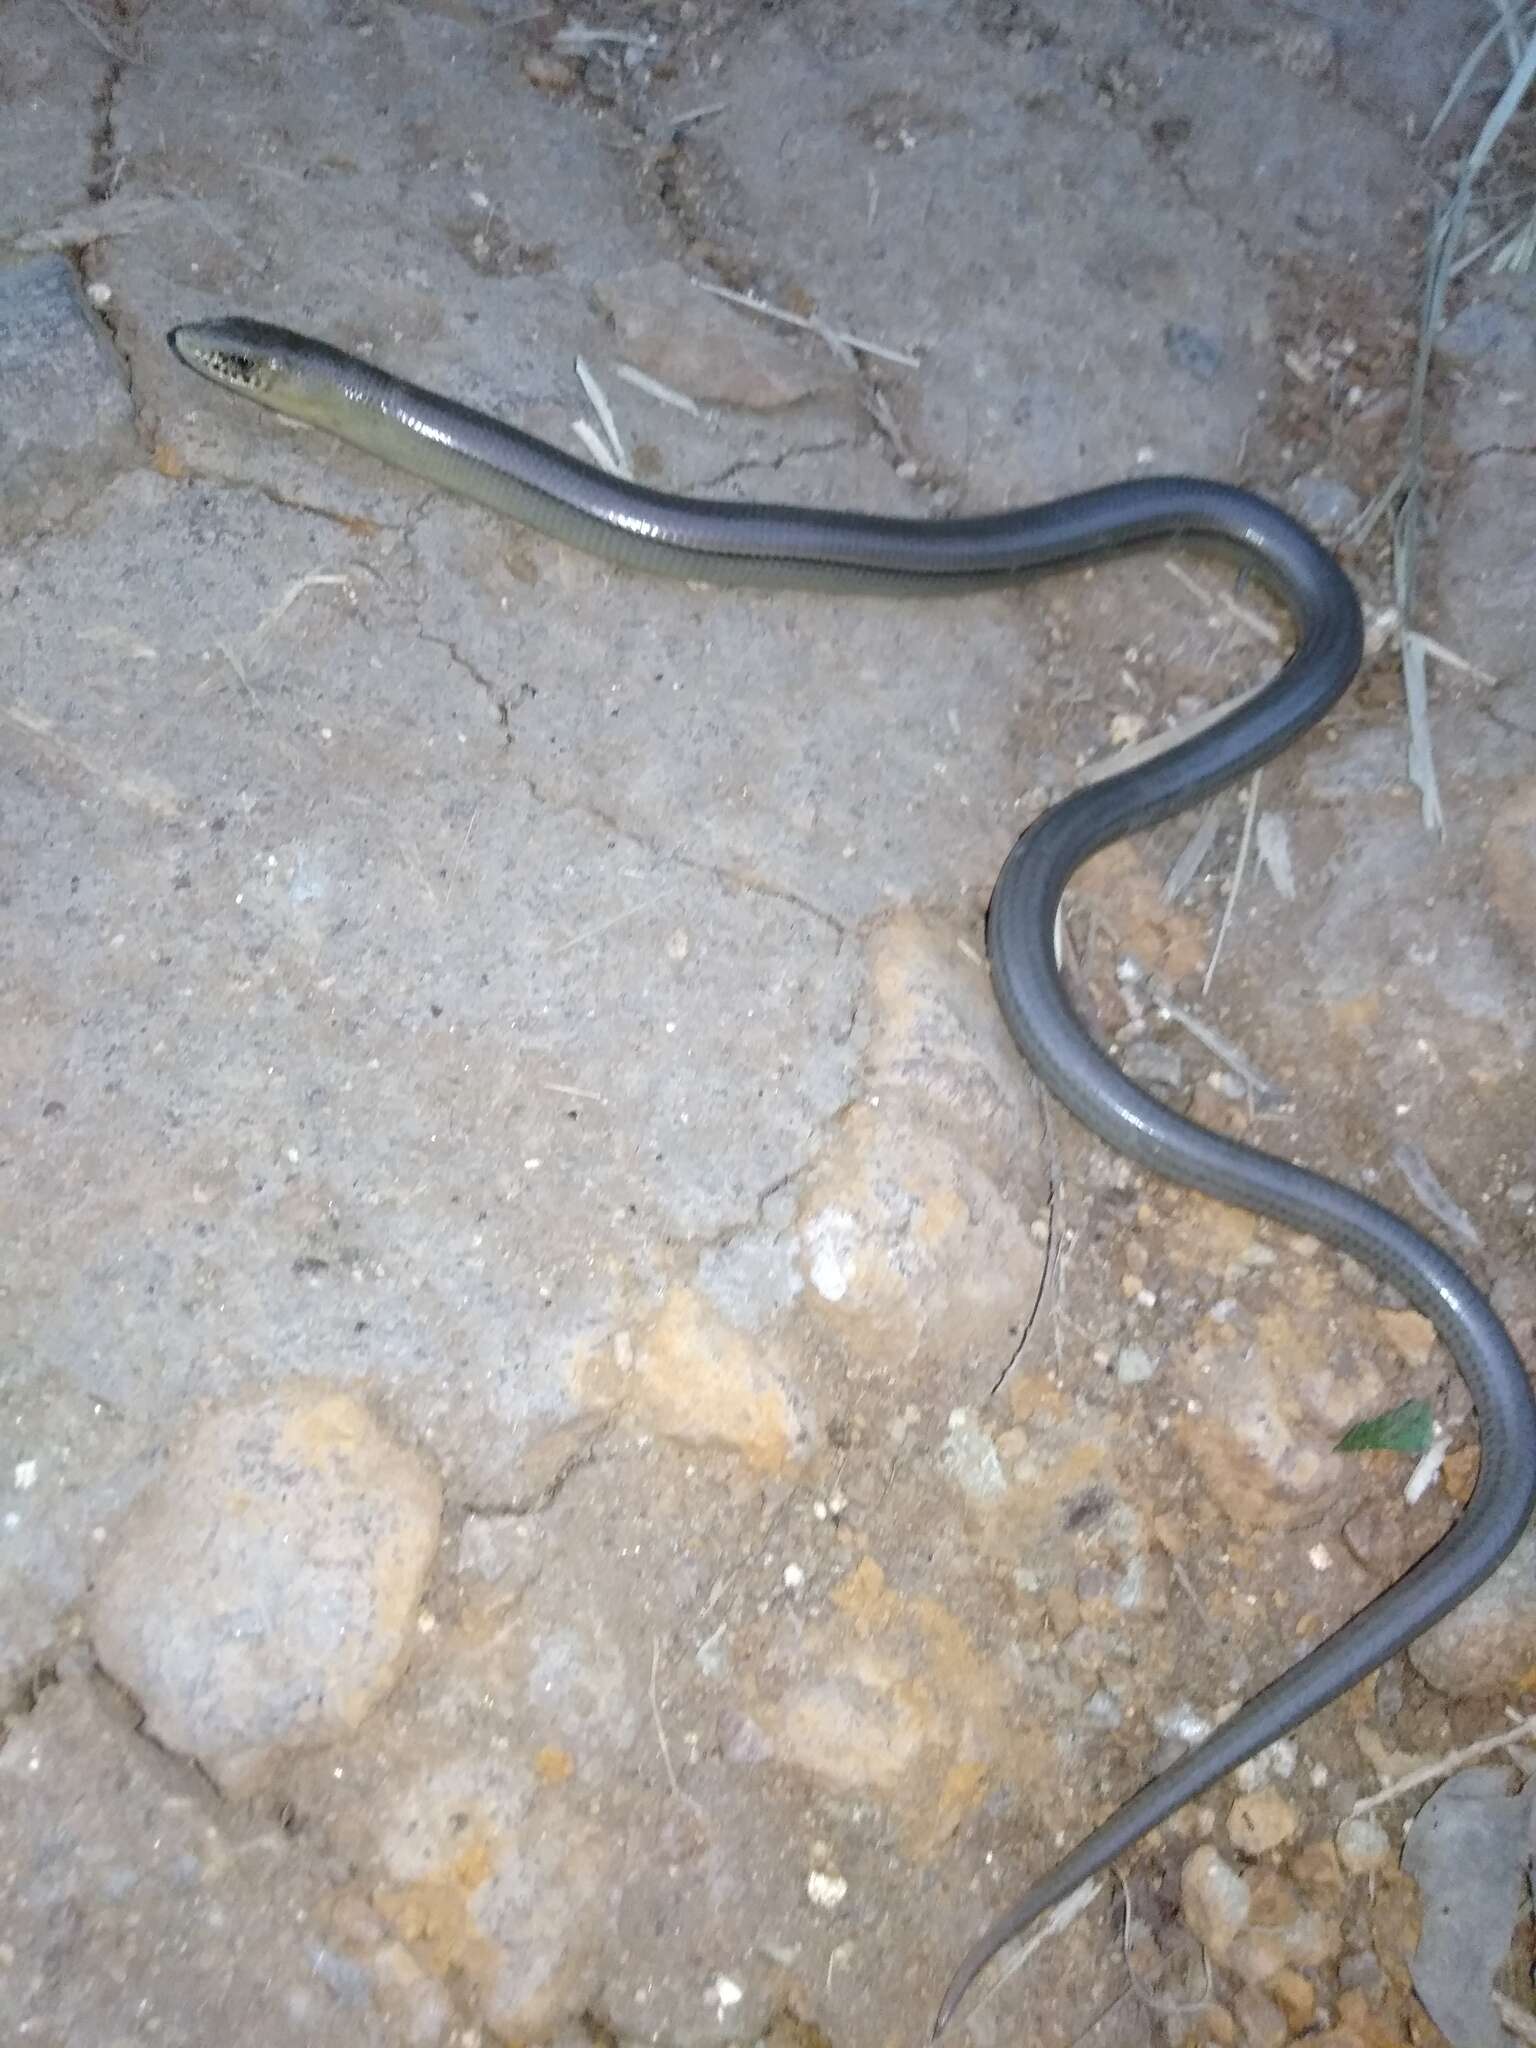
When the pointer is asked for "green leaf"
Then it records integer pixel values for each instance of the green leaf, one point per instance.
(1410, 1429)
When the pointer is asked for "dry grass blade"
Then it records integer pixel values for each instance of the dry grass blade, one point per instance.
(1411, 1163)
(1421, 753)
(1519, 250)
(88, 224)
(597, 398)
(1196, 852)
(1274, 845)
(1407, 488)
(1514, 38)
(596, 447)
(693, 114)
(662, 393)
(1237, 879)
(1467, 73)
(1266, 1094)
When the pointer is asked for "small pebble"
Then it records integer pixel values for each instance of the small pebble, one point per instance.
(1325, 503)
(1192, 349)
(1216, 1901)
(1103, 1709)
(1295, 1996)
(1262, 2022)
(1317, 1867)
(1278, 1761)
(1359, 1972)
(1261, 1821)
(824, 1888)
(1364, 1845)
(550, 74)
(1153, 1065)
(1134, 1365)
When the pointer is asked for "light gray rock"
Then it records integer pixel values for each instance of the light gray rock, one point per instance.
(1325, 503)
(1134, 1364)
(135, 1907)
(1487, 560)
(1488, 1643)
(262, 1595)
(66, 418)
(1467, 1853)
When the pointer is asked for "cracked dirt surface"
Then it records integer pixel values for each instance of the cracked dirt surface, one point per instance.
(550, 1006)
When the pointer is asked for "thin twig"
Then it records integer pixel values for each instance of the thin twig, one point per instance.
(1229, 604)
(474, 819)
(1438, 651)
(1181, 1577)
(1443, 1766)
(853, 341)
(115, 46)
(697, 114)
(661, 1733)
(316, 579)
(1237, 879)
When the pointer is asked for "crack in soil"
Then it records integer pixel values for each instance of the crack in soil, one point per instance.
(771, 462)
(106, 165)
(585, 1454)
(1051, 1262)
(503, 704)
(727, 877)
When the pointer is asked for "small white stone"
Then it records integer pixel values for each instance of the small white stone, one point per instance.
(1320, 1557)
(794, 1578)
(26, 1474)
(725, 1992)
(824, 1888)
(99, 294)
